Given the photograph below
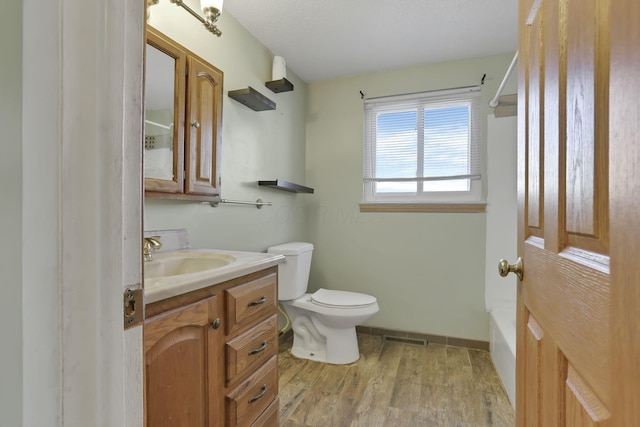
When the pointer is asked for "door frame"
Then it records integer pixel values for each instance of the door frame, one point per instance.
(82, 204)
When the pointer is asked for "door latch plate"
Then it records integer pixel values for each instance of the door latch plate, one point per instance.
(133, 307)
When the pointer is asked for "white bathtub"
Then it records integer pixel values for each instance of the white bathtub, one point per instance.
(502, 329)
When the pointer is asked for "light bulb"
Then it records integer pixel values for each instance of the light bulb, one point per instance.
(208, 6)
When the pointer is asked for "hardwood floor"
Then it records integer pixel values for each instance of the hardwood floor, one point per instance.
(394, 384)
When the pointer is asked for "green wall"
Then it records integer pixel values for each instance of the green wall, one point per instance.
(255, 145)
(11, 214)
(427, 270)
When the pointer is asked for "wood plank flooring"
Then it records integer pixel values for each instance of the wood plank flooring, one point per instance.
(394, 385)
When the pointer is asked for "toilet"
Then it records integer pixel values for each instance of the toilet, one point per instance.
(323, 322)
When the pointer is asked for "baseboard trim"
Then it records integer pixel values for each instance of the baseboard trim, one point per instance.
(400, 335)
(435, 339)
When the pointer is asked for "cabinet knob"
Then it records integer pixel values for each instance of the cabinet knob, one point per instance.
(216, 323)
(195, 124)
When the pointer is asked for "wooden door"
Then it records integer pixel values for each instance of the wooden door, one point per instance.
(182, 369)
(578, 321)
(203, 136)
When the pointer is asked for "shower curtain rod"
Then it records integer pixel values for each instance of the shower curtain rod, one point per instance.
(494, 102)
(160, 125)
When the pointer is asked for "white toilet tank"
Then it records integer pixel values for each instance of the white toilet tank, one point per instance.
(293, 275)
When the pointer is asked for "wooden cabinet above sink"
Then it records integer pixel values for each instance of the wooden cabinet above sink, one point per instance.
(183, 122)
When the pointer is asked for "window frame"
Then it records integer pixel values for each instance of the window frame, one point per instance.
(424, 201)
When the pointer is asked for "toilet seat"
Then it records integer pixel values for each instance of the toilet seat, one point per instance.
(341, 299)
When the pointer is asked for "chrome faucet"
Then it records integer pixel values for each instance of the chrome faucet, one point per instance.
(148, 244)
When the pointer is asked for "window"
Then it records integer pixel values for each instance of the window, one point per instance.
(423, 148)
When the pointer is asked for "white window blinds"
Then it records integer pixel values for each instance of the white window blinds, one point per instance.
(422, 143)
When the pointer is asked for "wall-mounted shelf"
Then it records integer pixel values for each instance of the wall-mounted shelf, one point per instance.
(286, 186)
(252, 99)
(277, 86)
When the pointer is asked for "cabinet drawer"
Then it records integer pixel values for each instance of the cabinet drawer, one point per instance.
(251, 302)
(247, 401)
(250, 350)
(270, 417)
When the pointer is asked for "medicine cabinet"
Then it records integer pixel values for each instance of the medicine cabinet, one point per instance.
(183, 122)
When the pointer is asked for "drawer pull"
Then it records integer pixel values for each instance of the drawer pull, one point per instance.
(259, 395)
(257, 302)
(258, 350)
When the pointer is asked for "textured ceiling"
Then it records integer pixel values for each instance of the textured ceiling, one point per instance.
(323, 39)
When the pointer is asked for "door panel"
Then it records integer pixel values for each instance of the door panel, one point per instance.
(583, 406)
(564, 356)
(204, 106)
(535, 149)
(533, 374)
(587, 125)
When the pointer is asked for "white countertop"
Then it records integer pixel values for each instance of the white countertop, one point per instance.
(156, 289)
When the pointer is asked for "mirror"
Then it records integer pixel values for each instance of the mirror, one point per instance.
(159, 114)
(181, 161)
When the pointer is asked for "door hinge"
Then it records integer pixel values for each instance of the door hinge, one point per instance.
(133, 300)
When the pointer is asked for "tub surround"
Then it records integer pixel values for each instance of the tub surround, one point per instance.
(502, 230)
(503, 348)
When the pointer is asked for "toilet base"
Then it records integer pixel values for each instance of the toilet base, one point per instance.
(336, 346)
(318, 356)
(326, 334)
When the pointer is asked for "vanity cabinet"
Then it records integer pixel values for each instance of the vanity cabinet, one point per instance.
(183, 122)
(211, 355)
(181, 366)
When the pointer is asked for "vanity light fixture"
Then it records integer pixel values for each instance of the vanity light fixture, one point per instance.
(210, 8)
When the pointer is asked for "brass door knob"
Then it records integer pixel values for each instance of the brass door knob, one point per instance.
(504, 268)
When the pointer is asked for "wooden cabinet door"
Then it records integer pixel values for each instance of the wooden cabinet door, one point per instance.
(204, 127)
(158, 78)
(578, 321)
(195, 128)
(183, 367)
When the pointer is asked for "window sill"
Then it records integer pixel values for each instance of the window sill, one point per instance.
(478, 207)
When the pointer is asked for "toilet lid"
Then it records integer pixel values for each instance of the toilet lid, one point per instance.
(341, 299)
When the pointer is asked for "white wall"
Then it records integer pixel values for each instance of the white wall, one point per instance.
(11, 214)
(426, 269)
(255, 145)
(502, 211)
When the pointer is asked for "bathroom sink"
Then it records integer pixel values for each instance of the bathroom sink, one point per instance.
(179, 271)
(177, 264)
